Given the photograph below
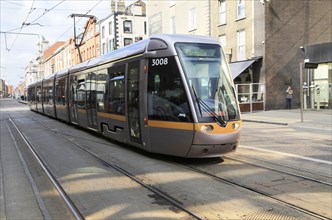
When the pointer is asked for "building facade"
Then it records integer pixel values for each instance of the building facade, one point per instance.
(31, 73)
(179, 17)
(290, 26)
(239, 27)
(87, 44)
(42, 45)
(51, 56)
(261, 39)
(3, 88)
(124, 26)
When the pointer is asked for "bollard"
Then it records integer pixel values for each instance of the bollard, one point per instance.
(305, 88)
(318, 97)
(312, 95)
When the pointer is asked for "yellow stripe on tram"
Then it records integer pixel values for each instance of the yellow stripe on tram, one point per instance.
(171, 125)
(112, 116)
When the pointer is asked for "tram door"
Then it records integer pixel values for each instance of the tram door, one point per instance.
(134, 103)
(91, 101)
(72, 99)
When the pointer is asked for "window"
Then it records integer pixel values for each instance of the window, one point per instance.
(111, 45)
(60, 87)
(101, 90)
(167, 100)
(133, 93)
(103, 32)
(116, 87)
(145, 29)
(80, 92)
(192, 19)
(110, 28)
(222, 12)
(103, 49)
(207, 74)
(241, 11)
(127, 27)
(127, 41)
(222, 40)
(241, 45)
(172, 23)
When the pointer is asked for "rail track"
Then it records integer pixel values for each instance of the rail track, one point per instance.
(145, 182)
(75, 211)
(295, 171)
(71, 206)
(297, 207)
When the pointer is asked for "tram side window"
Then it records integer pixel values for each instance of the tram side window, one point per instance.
(47, 98)
(80, 92)
(167, 100)
(31, 94)
(116, 98)
(60, 91)
(39, 94)
(101, 90)
(45, 95)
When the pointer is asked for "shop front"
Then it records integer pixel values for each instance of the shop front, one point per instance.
(250, 92)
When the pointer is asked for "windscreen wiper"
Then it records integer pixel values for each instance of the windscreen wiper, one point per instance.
(216, 117)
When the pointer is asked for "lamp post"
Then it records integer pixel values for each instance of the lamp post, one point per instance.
(301, 90)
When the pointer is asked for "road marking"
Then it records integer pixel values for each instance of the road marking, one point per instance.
(289, 155)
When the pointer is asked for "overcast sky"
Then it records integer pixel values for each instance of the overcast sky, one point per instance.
(43, 17)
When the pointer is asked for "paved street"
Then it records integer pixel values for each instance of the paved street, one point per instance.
(280, 161)
(283, 131)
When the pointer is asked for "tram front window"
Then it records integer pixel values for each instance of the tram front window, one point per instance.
(210, 81)
(167, 100)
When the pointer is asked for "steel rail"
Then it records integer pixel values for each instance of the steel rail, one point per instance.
(278, 170)
(151, 188)
(295, 207)
(76, 213)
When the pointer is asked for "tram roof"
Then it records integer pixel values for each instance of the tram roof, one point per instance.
(141, 47)
(184, 38)
(62, 72)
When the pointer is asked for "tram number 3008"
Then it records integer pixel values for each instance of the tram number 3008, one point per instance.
(159, 62)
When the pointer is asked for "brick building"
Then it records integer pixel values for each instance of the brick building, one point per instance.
(51, 63)
(289, 26)
(87, 43)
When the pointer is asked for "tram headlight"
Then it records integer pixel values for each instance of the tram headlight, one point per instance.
(236, 125)
(207, 128)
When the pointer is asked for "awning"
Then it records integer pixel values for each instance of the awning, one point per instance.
(238, 67)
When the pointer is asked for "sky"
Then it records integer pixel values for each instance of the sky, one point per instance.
(32, 18)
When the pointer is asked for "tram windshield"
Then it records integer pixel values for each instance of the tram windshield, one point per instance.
(210, 81)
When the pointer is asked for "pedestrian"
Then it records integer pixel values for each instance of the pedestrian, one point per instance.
(289, 96)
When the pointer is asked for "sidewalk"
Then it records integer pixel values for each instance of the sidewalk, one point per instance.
(321, 119)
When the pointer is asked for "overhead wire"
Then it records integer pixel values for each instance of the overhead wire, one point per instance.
(46, 11)
(27, 24)
(70, 28)
(30, 11)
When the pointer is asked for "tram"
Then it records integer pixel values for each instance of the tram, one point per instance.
(168, 94)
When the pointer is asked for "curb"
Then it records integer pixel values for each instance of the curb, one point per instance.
(265, 122)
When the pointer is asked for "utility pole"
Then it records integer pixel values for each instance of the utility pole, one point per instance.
(77, 46)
